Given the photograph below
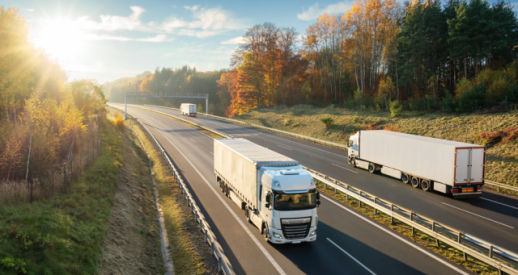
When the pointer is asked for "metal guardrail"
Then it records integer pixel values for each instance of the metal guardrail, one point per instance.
(501, 259)
(216, 249)
(324, 142)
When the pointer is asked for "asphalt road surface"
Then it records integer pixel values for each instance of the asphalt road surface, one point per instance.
(347, 242)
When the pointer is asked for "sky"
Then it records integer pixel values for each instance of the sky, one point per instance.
(109, 39)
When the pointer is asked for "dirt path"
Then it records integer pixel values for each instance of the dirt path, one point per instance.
(132, 244)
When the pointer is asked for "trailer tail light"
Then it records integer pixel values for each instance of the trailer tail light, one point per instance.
(454, 190)
(479, 188)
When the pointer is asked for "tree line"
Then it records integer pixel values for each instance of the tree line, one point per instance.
(456, 56)
(43, 118)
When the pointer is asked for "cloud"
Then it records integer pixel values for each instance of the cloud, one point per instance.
(315, 11)
(155, 39)
(236, 40)
(29, 10)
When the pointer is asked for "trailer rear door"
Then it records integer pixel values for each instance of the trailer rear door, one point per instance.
(462, 162)
(477, 165)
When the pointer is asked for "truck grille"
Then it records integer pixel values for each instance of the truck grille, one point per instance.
(295, 228)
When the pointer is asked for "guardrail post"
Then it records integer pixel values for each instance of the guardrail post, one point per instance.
(212, 248)
(459, 237)
(360, 199)
(206, 235)
(392, 213)
(412, 219)
(219, 264)
(433, 230)
(490, 251)
(375, 209)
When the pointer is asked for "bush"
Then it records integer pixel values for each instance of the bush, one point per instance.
(355, 117)
(471, 100)
(392, 128)
(396, 109)
(327, 120)
(448, 103)
(498, 90)
(119, 123)
(286, 122)
(507, 135)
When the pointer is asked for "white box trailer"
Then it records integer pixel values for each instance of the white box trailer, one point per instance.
(277, 194)
(188, 109)
(430, 163)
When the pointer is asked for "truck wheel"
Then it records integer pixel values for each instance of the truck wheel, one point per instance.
(266, 232)
(415, 182)
(247, 213)
(426, 185)
(372, 168)
(405, 178)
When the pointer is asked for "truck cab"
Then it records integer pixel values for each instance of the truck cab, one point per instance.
(353, 145)
(287, 205)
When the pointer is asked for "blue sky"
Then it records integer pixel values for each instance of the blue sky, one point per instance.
(106, 40)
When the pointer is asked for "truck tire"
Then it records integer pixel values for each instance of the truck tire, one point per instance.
(405, 178)
(426, 185)
(247, 213)
(372, 168)
(415, 182)
(265, 232)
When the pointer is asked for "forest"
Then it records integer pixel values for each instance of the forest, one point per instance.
(43, 118)
(454, 56)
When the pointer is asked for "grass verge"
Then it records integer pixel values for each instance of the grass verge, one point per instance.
(190, 253)
(64, 234)
(419, 237)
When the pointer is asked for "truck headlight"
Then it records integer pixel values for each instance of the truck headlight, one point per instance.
(277, 235)
(313, 233)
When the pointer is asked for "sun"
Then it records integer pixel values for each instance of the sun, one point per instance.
(62, 39)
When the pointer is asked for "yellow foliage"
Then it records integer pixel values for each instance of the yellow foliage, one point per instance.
(119, 123)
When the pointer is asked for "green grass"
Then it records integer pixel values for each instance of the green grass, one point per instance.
(64, 234)
(501, 160)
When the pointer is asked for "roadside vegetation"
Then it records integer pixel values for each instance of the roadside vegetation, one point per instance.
(64, 234)
(486, 129)
(190, 253)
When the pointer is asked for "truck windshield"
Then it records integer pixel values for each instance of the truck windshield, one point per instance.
(294, 201)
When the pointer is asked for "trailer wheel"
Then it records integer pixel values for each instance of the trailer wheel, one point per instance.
(372, 168)
(415, 182)
(247, 213)
(426, 185)
(405, 178)
(266, 232)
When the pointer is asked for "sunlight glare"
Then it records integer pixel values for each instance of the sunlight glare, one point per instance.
(63, 39)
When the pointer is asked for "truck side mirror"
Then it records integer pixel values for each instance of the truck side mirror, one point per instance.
(267, 205)
(318, 196)
(318, 203)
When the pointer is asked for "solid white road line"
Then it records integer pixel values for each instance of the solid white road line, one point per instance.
(261, 247)
(351, 257)
(285, 147)
(501, 203)
(344, 168)
(192, 140)
(477, 215)
(427, 253)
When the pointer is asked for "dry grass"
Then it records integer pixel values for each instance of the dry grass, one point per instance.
(190, 253)
(501, 159)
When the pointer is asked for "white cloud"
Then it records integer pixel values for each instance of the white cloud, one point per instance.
(158, 38)
(315, 11)
(236, 40)
(29, 10)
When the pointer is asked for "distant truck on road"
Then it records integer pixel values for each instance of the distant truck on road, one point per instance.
(188, 109)
(445, 166)
(277, 194)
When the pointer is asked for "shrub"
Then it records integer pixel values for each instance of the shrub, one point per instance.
(497, 91)
(119, 123)
(470, 100)
(463, 86)
(327, 120)
(500, 136)
(286, 122)
(295, 124)
(355, 117)
(396, 109)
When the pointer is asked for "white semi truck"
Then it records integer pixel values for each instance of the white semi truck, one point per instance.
(277, 194)
(445, 166)
(188, 109)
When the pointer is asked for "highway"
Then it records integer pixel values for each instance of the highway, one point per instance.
(493, 217)
(347, 243)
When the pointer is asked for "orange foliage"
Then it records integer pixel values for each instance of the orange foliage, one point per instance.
(500, 136)
(392, 128)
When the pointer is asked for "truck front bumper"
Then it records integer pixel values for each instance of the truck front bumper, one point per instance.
(277, 237)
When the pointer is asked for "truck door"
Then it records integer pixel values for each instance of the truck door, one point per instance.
(462, 162)
(477, 165)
